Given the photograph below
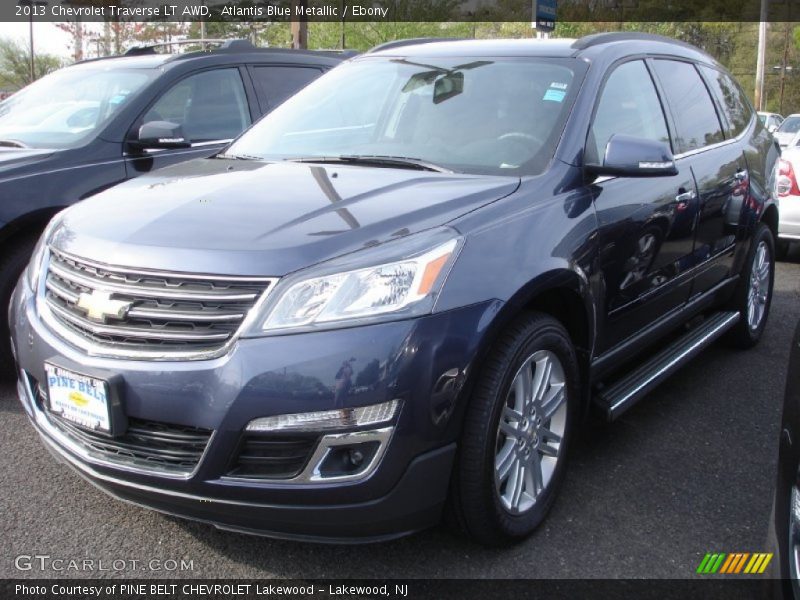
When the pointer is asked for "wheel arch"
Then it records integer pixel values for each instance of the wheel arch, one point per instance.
(30, 223)
(771, 219)
(564, 295)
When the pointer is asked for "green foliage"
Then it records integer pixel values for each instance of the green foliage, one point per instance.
(15, 66)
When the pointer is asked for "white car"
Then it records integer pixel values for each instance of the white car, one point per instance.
(787, 130)
(789, 194)
(770, 120)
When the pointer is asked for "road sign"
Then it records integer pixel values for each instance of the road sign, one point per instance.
(544, 11)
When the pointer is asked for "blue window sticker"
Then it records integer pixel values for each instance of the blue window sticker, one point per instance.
(554, 95)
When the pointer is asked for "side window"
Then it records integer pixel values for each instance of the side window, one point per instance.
(276, 84)
(629, 105)
(210, 106)
(731, 98)
(695, 116)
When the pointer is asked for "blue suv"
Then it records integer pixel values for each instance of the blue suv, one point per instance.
(397, 295)
(92, 125)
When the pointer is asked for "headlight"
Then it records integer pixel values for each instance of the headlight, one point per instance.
(34, 268)
(393, 289)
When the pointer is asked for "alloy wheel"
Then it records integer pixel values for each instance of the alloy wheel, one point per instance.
(529, 434)
(758, 293)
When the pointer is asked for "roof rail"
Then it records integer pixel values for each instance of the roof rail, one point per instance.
(409, 42)
(596, 39)
(233, 45)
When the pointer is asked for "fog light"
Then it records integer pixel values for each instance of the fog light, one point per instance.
(325, 420)
(341, 461)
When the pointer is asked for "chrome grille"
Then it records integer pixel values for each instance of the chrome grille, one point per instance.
(164, 314)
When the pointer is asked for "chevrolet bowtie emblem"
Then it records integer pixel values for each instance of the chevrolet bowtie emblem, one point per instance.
(99, 306)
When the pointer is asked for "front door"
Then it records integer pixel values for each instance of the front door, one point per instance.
(211, 106)
(646, 225)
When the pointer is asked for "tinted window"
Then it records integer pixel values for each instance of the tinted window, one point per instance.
(276, 84)
(731, 98)
(210, 106)
(629, 105)
(692, 107)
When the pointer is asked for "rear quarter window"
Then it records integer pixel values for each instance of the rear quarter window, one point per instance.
(691, 106)
(735, 107)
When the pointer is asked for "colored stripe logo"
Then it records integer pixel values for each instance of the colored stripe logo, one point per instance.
(734, 563)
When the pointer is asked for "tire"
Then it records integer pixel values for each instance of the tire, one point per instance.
(11, 267)
(483, 492)
(753, 295)
(781, 249)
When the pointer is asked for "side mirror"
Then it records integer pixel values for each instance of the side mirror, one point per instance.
(772, 128)
(629, 156)
(161, 135)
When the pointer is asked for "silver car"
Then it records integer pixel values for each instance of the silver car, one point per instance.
(787, 130)
(770, 120)
(789, 194)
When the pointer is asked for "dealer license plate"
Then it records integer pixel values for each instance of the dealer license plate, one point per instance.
(78, 398)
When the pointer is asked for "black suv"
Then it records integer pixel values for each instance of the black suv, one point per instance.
(398, 293)
(90, 126)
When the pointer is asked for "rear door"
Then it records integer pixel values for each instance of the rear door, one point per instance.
(211, 106)
(646, 224)
(706, 143)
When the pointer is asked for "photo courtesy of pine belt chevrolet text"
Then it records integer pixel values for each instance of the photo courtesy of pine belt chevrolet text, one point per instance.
(395, 298)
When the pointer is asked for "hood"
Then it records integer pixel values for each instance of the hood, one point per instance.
(784, 137)
(253, 218)
(17, 157)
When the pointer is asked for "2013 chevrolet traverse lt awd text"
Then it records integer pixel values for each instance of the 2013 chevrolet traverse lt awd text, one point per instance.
(395, 296)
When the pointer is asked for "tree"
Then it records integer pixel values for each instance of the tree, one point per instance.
(15, 65)
(76, 30)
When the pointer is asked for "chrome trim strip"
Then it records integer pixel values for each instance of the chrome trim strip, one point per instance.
(732, 140)
(628, 390)
(101, 351)
(312, 474)
(137, 332)
(209, 317)
(54, 436)
(157, 273)
(152, 313)
(147, 291)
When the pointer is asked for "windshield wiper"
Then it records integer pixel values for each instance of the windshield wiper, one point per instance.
(377, 160)
(238, 157)
(13, 144)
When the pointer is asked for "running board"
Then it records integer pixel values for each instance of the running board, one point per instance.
(633, 386)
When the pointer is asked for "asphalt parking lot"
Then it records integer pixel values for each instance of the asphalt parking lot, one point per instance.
(688, 471)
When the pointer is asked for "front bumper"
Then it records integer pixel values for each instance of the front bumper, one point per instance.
(422, 362)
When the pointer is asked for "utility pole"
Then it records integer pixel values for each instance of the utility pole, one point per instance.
(203, 28)
(762, 50)
(32, 4)
(299, 28)
(342, 41)
(783, 65)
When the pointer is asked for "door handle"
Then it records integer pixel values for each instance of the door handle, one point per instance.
(684, 199)
(740, 175)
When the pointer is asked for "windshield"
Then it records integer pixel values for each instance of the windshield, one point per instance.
(790, 125)
(483, 116)
(66, 108)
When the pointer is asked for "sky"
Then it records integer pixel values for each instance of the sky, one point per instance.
(46, 37)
